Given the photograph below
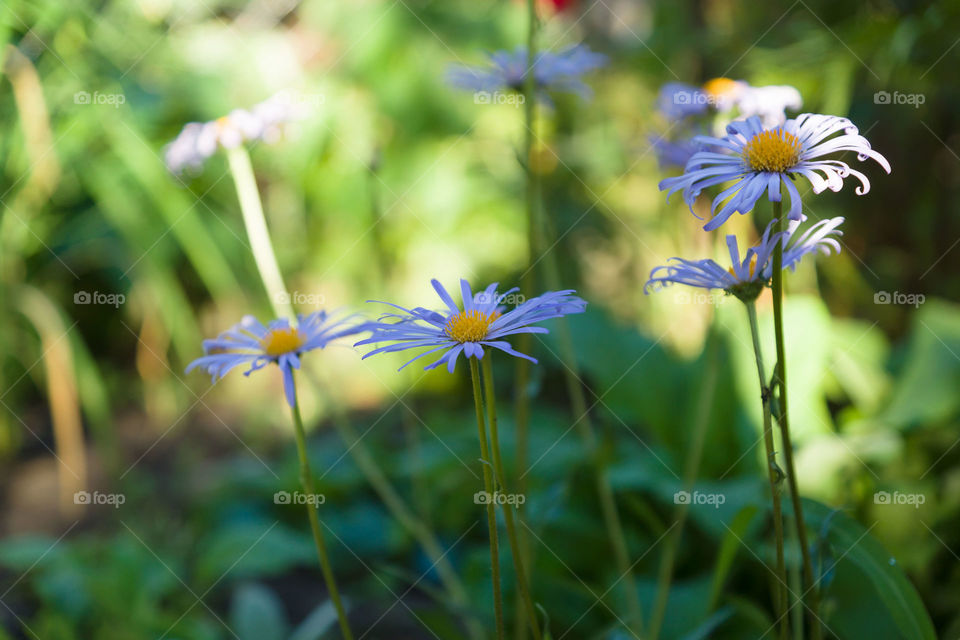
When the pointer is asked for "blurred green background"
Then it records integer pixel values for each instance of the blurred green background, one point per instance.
(395, 178)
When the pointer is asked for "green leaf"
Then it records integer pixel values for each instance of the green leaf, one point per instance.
(23, 552)
(926, 389)
(253, 549)
(256, 613)
(728, 551)
(317, 623)
(864, 569)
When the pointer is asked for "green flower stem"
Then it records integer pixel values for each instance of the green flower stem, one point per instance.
(522, 586)
(306, 480)
(525, 340)
(780, 593)
(488, 487)
(810, 587)
(691, 470)
(252, 209)
(537, 243)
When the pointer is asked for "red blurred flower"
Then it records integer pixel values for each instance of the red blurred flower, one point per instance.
(556, 6)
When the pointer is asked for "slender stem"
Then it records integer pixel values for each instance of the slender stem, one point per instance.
(256, 224)
(525, 342)
(780, 593)
(306, 480)
(515, 550)
(488, 487)
(537, 243)
(691, 470)
(810, 586)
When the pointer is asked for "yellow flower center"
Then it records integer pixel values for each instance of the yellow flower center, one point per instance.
(470, 326)
(774, 150)
(280, 341)
(753, 267)
(720, 87)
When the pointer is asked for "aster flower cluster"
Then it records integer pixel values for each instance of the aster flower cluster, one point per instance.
(482, 321)
(756, 160)
(561, 71)
(262, 122)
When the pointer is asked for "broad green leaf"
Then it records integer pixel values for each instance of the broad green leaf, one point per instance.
(868, 569)
(256, 613)
(926, 388)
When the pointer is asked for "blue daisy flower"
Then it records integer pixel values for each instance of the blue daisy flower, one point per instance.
(482, 322)
(748, 276)
(560, 71)
(759, 160)
(250, 342)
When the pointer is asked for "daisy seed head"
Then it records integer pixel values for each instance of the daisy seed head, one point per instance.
(773, 150)
(282, 340)
(470, 326)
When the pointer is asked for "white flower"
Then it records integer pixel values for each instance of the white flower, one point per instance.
(768, 103)
(264, 121)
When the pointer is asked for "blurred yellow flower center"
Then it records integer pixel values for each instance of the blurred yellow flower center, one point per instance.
(775, 150)
(281, 341)
(470, 326)
(719, 87)
(753, 267)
